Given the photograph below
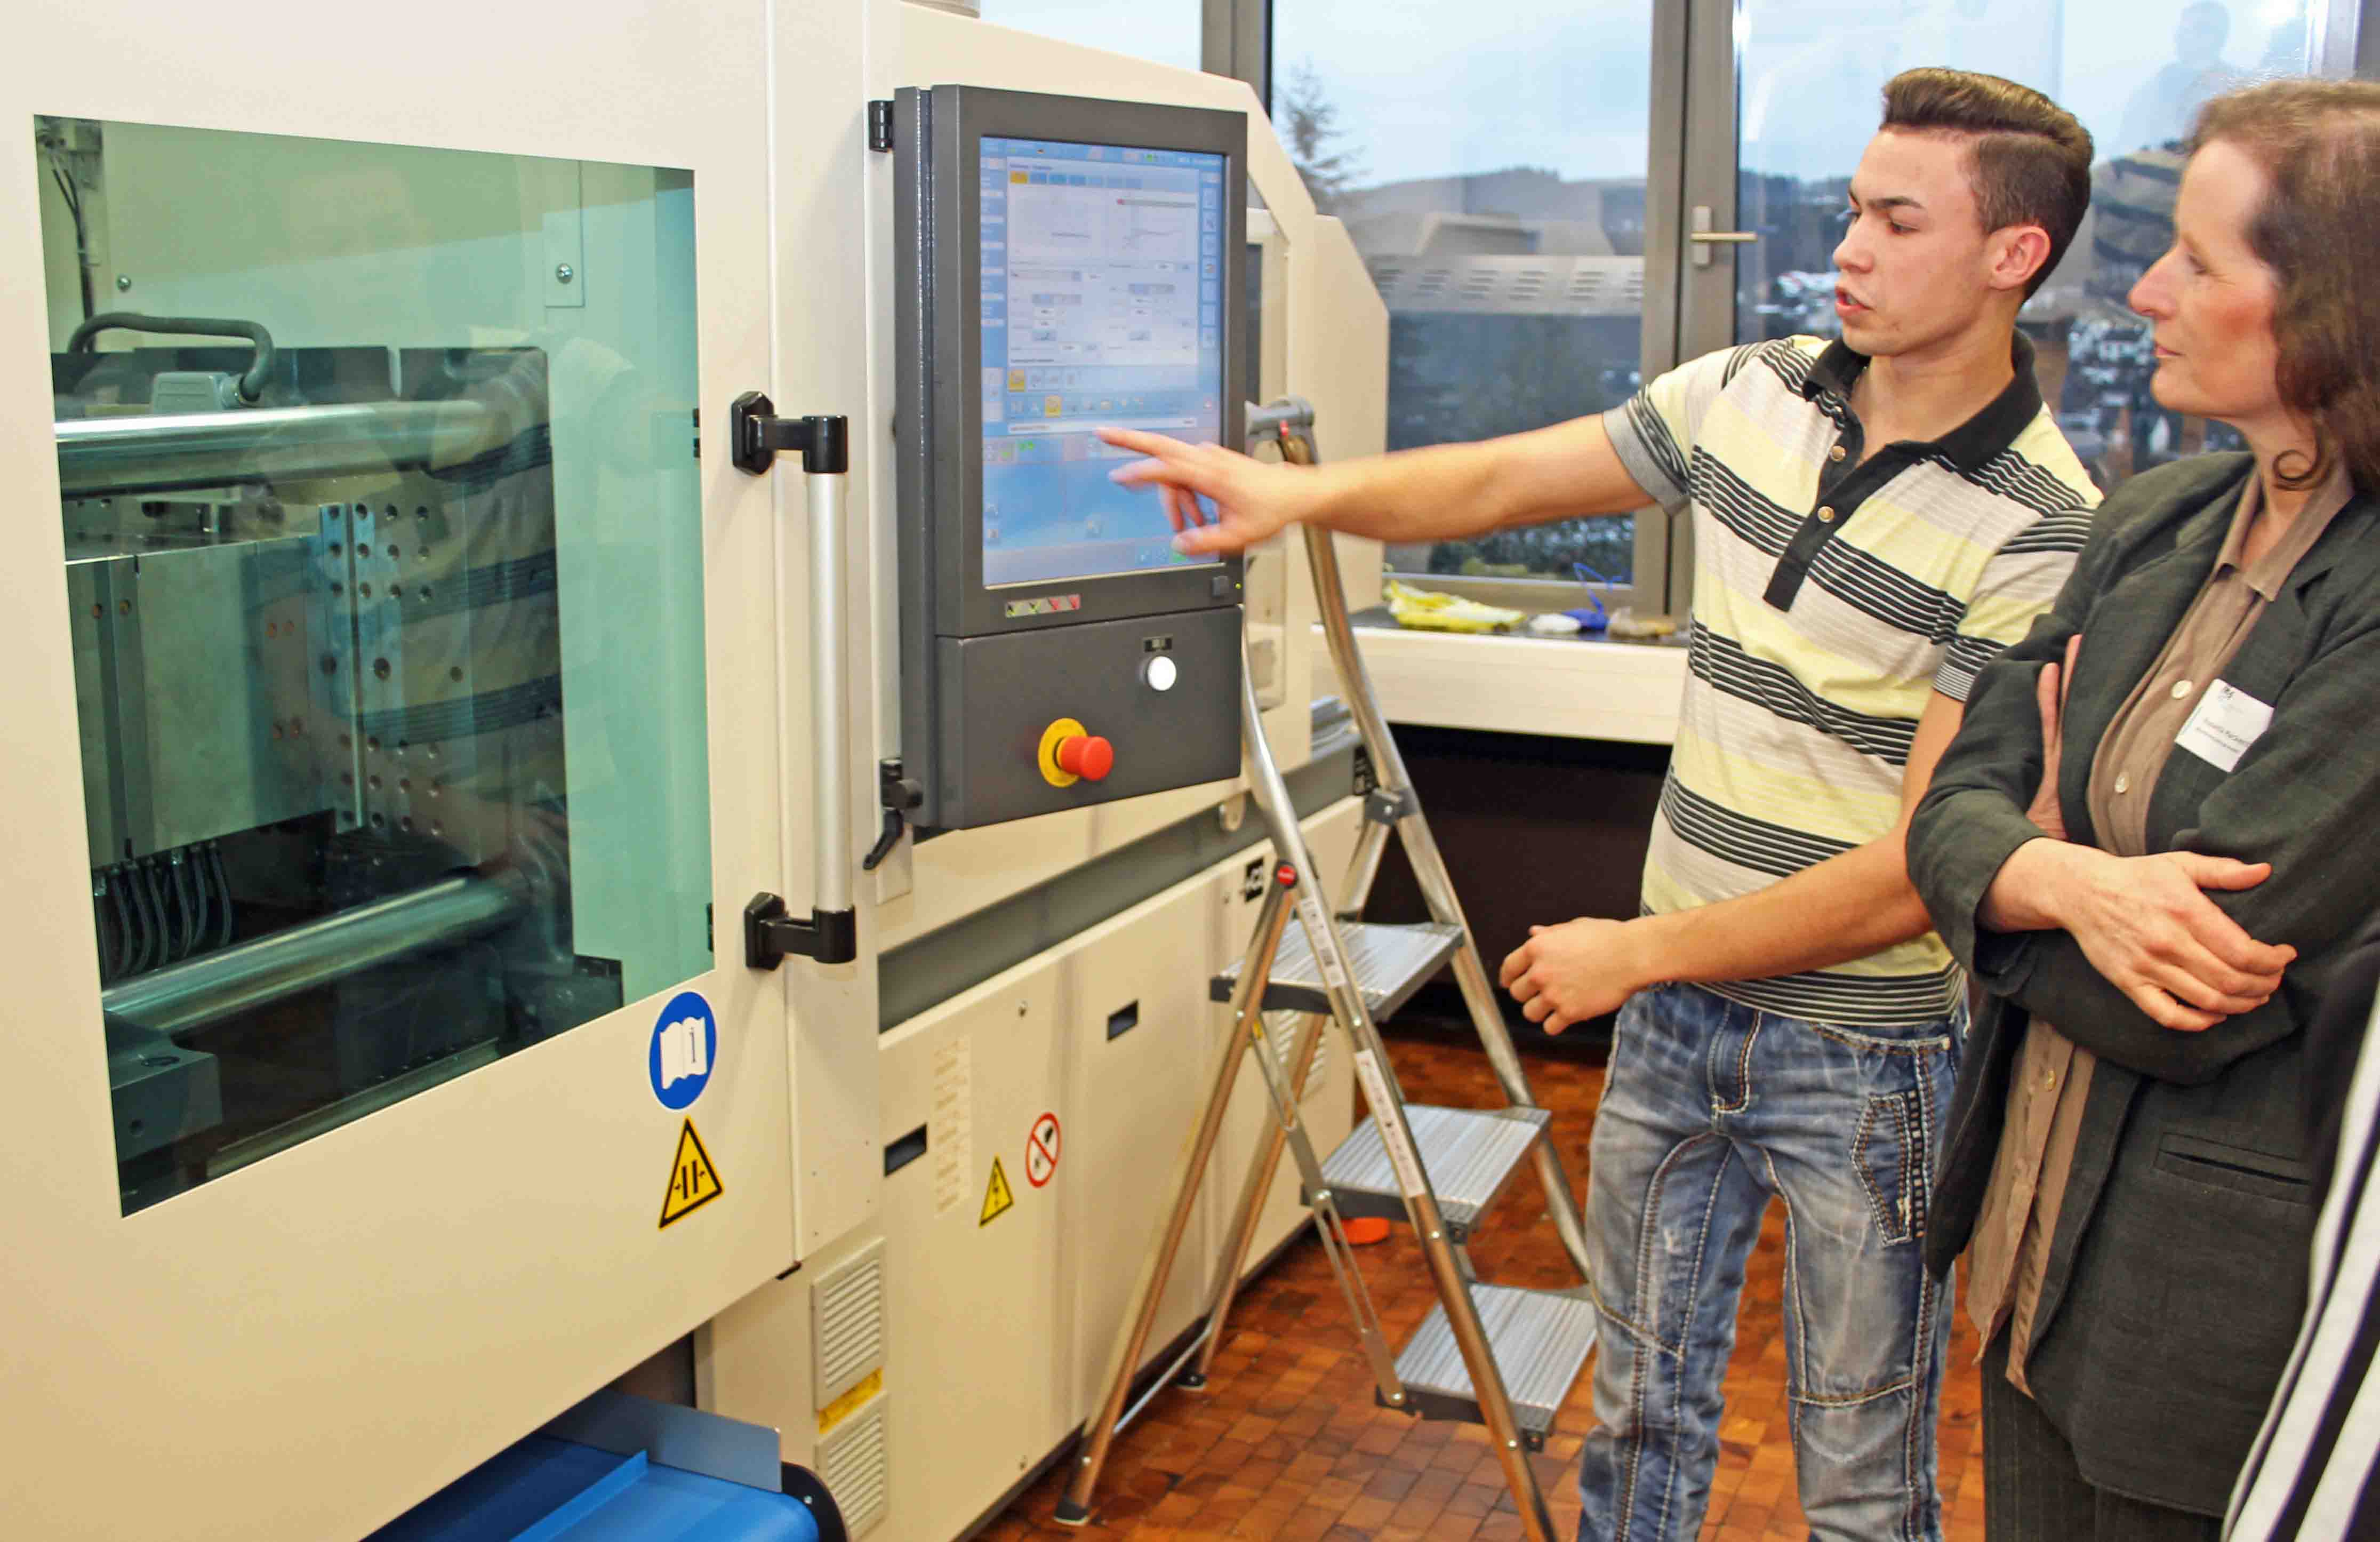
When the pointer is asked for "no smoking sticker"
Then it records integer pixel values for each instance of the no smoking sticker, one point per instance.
(1041, 1147)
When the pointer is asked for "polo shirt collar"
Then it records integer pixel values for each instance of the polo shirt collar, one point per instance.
(1972, 442)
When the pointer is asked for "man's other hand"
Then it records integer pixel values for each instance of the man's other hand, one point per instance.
(1250, 500)
(1572, 972)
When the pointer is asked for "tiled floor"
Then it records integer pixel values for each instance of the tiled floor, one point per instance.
(1286, 1442)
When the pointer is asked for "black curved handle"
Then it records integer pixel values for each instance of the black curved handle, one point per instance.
(251, 385)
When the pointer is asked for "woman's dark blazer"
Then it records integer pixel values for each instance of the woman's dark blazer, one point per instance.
(2178, 1273)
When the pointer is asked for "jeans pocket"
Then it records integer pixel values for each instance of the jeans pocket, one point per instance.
(1890, 1157)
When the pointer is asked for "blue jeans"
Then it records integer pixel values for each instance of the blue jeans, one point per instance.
(1710, 1111)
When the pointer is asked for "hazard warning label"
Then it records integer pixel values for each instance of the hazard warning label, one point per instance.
(998, 1197)
(1042, 1145)
(694, 1181)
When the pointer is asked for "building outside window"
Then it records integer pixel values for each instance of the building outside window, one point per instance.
(1494, 177)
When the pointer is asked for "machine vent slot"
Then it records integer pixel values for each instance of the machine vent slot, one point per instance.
(1124, 1020)
(847, 1322)
(851, 1464)
(1281, 1029)
(902, 1152)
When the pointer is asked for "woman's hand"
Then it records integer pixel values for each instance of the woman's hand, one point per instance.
(2050, 694)
(2146, 925)
(1252, 499)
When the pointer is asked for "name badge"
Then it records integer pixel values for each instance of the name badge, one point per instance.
(2228, 719)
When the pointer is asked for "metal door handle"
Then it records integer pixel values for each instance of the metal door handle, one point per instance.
(830, 935)
(1702, 237)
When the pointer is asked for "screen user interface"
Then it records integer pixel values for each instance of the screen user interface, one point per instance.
(1102, 305)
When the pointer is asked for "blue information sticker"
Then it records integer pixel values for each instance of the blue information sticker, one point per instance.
(685, 1049)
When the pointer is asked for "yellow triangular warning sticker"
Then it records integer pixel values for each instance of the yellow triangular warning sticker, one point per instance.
(694, 1182)
(996, 1199)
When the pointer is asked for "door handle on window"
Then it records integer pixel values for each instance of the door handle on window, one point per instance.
(1704, 237)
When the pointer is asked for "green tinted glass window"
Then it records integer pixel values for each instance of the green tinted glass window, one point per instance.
(384, 567)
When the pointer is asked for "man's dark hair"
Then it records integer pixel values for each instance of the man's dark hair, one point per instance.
(2032, 158)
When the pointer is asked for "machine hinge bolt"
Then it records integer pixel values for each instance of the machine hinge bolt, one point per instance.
(564, 272)
(123, 282)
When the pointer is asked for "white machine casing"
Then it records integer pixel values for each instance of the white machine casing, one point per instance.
(306, 1347)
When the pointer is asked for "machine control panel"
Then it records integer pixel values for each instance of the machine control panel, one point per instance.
(1069, 264)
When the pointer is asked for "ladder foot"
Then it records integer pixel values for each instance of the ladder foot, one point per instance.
(1072, 1514)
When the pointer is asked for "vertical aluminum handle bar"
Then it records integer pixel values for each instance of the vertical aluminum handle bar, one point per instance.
(829, 701)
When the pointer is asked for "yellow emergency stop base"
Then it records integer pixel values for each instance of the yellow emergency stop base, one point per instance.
(1052, 737)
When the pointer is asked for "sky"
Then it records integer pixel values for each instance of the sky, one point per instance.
(1427, 89)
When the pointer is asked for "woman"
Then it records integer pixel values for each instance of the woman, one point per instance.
(2152, 837)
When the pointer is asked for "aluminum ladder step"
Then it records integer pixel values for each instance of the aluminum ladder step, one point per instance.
(1540, 1339)
(1469, 1155)
(1389, 964)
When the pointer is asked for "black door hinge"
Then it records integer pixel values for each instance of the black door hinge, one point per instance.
(754, 434)
(879, 124)
(828, 936)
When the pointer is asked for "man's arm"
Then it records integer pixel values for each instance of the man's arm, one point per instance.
(1846, 907)
(1441, 493)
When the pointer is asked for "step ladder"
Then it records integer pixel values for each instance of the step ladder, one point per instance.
(1487, 1354)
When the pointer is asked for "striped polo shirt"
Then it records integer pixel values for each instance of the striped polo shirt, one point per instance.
(1835, 590)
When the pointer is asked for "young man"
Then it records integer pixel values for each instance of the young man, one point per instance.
(1874, 519)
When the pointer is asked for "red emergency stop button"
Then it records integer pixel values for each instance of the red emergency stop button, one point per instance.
(1070, 753)
(1086, 755)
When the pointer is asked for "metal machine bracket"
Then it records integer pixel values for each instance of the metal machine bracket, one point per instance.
(1387, 805)
(880, 124)
(769, 933)
(757, 434)
(900, 795)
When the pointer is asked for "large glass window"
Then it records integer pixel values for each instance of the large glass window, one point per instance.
(1810, 80)
(383, 557)
(1168, 34)
(1493, 177)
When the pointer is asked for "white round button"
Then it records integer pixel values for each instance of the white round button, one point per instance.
(2180, 689)
(2123, 782)
(1160, 672)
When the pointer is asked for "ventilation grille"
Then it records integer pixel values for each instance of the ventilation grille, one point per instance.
(851, 1464)
(847, 1322)
(1281, 1029)
(1537, 284)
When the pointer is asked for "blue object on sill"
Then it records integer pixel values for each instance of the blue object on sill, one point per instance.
(1594, 620)
(544, 1488)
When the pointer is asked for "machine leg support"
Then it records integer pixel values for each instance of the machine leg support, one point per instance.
(1190, 1381)
(1072, 1514)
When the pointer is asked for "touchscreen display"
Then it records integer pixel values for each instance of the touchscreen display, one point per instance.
(1102, 305)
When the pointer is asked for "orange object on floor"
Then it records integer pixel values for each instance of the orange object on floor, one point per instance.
(1364, 1230)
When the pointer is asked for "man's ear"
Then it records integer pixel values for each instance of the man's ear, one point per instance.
(2019, 252)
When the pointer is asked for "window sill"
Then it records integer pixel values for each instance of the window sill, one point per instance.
(1569, 687)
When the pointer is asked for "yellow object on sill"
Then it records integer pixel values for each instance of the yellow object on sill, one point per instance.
(1429, 611)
